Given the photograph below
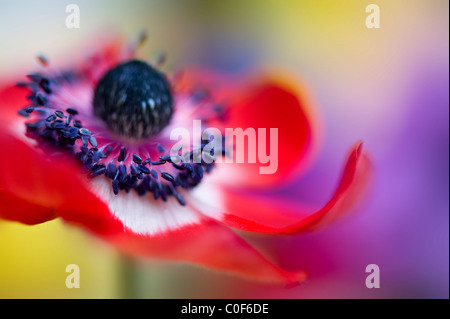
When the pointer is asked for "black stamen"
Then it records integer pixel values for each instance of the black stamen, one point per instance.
(40, 100)
(23, 113)
(166, 158)
(45, 85)
(122, 173)
(137, 159)
(156, 190)
(122, 154)
(84, 131)
(115, 187)
(72, 111)
(167, 176)
(97, 170)
(161, 148)
(143, 169)
(180, 199)
(134, 170)
(93, 141)
(59, 114)
(199, 171)
(29, 109)
(154, 174)
(111, 171)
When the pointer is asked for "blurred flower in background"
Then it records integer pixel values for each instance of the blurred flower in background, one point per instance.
(388, 86)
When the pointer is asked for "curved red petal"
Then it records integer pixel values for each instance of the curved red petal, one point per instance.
(273, 216)
(211, 245)
(273, 109)
(16, 209)
(31, 176)
(90, 213)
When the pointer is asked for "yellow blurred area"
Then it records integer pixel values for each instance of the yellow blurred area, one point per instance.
(33, 261)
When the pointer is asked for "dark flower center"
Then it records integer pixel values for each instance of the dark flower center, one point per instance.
(134, 100)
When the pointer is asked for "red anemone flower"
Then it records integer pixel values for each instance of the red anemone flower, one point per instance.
(90, 144)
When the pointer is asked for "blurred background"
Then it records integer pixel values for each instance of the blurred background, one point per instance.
(386, 86)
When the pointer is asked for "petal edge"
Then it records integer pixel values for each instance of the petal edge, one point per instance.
(273, 216)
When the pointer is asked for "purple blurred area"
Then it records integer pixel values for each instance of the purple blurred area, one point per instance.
(401, 112)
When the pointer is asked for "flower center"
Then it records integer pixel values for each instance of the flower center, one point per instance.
(134, 100)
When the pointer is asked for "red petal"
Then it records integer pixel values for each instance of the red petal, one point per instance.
(264, 215)
(212, 245)
(12, 98)
(31, 177)
(16, 209)
(267, 105)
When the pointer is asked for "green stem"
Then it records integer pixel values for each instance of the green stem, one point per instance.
(129, 277)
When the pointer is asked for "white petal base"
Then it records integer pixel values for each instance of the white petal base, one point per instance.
(207, 199)
(143, 214)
